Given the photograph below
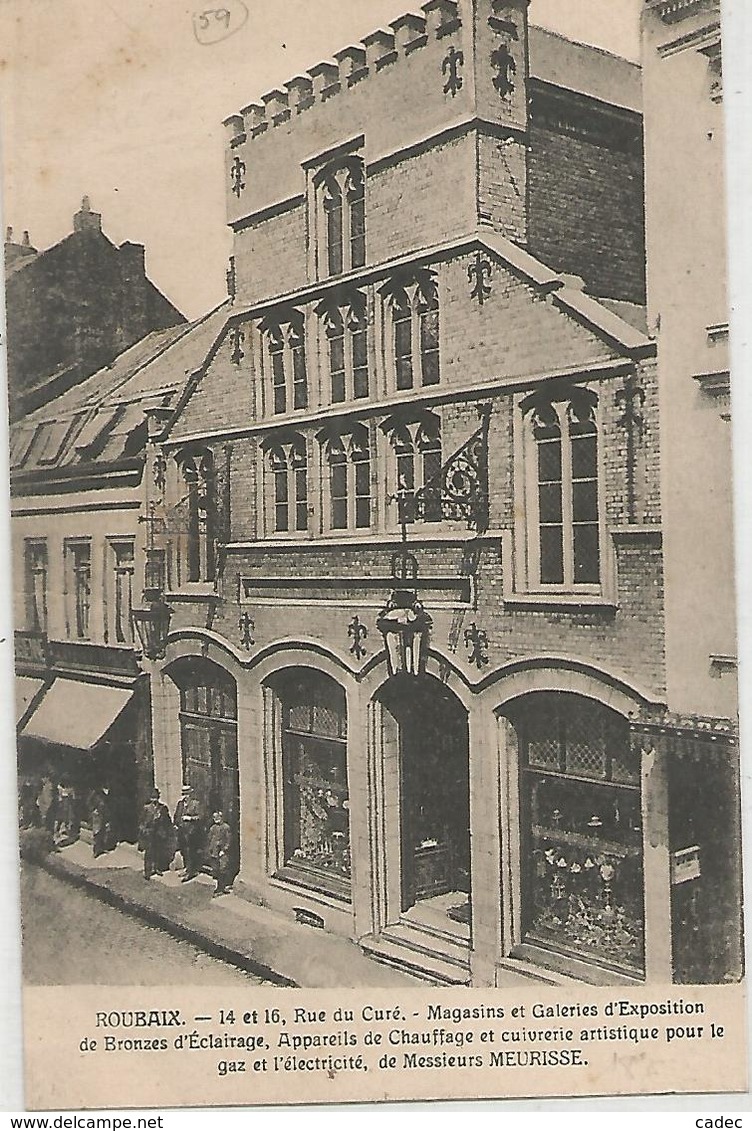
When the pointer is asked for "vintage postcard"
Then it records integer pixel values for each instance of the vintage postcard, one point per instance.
(373, 550)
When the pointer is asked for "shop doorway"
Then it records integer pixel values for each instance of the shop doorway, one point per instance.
(434, 800)
(209, 742)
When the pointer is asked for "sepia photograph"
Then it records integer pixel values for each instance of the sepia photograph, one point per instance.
(372, 528)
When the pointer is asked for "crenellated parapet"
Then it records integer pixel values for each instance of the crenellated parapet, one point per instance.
(379, 49)
(453, 62)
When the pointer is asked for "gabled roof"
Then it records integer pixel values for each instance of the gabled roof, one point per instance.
(101, 420)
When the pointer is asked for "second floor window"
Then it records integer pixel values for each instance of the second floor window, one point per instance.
(78, 571)
(287, 363)
(289, 473)
(350, 481)
(564, 494)
(417, 449)
(122, 565)
(35, 569)
(415, 330)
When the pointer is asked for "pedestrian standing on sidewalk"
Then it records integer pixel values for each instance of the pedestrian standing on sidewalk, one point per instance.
(218, 853)
(103, 838)
(188, 821)
(155, 826)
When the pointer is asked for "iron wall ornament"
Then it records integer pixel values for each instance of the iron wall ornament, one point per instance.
(237, 175)
(476, 641)
(462, 483)
(480, 271)
(237, 338)
(505, 67)
(247, 626)
(160, 470)
(453, 61)
(358, 632)
(631, 397)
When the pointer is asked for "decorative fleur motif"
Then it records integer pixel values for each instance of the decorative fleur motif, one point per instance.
(480, 271)
(237, 175)
(476, 641)
(358, 632)
(160, 470)
(631, 398)
(247, 627)
(237, 338)
(453, 61)
(505, 66)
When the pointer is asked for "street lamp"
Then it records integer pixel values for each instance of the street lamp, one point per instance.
(403, 622)
(152, 621)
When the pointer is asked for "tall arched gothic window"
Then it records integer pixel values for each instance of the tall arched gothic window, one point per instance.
(417, 465)
(415, 334)
(563, 494)
(198, 559)
(349, 459)
(286, 358)
(342, 194)
(347, 343)
(288, 495)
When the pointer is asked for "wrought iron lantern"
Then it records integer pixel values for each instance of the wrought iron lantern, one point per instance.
(403, 622)
(152, 624)
(405, 626)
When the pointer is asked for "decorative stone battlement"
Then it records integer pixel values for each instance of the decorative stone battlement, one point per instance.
(380, 49)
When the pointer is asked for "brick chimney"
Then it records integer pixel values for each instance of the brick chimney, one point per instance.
(85, 220)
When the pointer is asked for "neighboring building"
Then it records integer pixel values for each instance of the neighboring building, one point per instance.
(688, 309)
(77, 485)
(73, 308)
(440, 305)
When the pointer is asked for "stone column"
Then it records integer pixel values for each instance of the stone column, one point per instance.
(657, 868)
(485, 862)
(165, 733)
(253, 787)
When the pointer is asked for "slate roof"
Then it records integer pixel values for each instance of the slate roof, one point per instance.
(101, 420)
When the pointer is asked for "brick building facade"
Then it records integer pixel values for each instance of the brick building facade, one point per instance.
(434, 394)
(72, 308)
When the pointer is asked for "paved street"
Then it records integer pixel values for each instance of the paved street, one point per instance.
(70, 937)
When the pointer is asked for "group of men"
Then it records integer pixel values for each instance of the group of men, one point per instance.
(161, 835)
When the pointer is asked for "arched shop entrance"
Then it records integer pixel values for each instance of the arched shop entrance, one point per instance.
(209, 740)
(581, 845)
(434, 791)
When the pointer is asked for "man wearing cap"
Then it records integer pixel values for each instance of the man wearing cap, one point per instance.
(155, 827)
(189, 828)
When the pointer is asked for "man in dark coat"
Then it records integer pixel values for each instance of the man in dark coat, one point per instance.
(103, 833)
(155, 828)
(218, 852)
(188, 822)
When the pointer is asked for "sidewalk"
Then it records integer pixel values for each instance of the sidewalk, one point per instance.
(266, 943)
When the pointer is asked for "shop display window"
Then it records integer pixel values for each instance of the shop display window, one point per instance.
(581, 832)
(316, 800)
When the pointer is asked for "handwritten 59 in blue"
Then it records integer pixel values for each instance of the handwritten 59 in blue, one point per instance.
(210, 25)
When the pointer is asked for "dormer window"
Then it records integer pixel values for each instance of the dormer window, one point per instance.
(340, 190)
